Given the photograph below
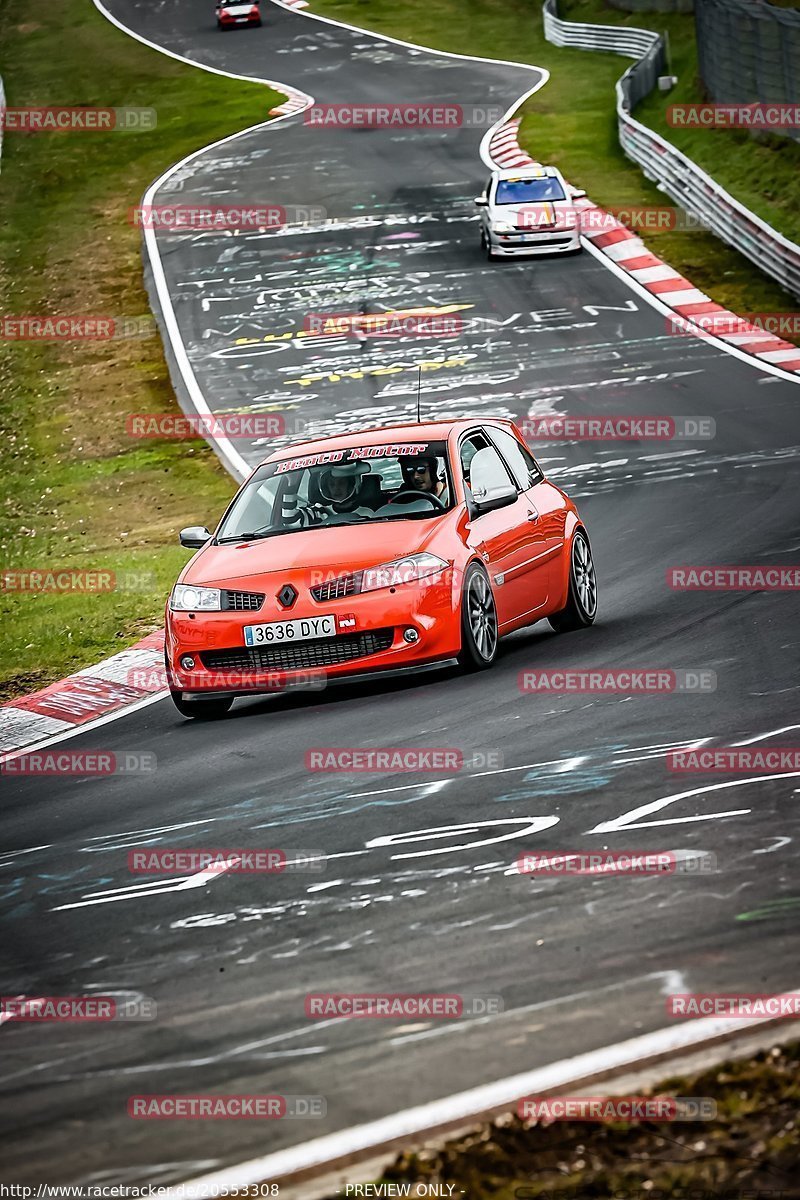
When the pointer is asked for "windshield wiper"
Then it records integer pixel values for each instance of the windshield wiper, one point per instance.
(259, 534)
(252, 537)
(409, 516)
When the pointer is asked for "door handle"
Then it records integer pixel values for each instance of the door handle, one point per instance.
(532, 515)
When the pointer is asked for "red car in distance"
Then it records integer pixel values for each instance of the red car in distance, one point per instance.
(230, 15)
(377, 552)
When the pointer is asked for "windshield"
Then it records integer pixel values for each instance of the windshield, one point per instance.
(524, 191)
(341, 487)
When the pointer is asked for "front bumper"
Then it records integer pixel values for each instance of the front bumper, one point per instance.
(527, 245)
(369, 639)
(234, 22)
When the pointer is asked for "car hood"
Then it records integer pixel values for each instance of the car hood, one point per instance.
(532, 215)
(345, 547)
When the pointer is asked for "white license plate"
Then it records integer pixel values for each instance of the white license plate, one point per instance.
(302, 630)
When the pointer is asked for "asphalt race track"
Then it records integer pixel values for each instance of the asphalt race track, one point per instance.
(578, 963)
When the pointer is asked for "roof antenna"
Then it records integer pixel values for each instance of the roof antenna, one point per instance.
(419, 389)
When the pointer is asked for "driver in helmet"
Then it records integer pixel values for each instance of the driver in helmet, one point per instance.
(421, 474)
(339, 489)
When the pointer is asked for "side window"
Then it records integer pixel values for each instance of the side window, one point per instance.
(469, 448)
(519, 458)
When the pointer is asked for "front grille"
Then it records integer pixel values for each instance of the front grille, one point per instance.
(241, 601)
(336, 589)
(320, 652)
(548, 241)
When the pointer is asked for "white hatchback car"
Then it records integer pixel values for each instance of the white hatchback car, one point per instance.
(528, 210)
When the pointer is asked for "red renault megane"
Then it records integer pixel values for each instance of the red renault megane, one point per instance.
(383, 551)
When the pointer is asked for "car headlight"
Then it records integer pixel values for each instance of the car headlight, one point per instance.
(401, 570)
(502, 227)
(187, 598)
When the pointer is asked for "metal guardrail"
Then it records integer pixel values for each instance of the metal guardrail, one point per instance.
(631, 42)
(674, 173)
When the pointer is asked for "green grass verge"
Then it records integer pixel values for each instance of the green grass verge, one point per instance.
(571, 122)
(80, 494)
(749, 1151)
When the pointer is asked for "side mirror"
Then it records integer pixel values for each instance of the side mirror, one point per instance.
(481, 201)
(194, 537)
(578, 193)
(499, 497)
(489, 483)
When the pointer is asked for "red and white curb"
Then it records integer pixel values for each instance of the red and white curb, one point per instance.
(296, 101)
(295, 3)
(123, 682)
(632, 257)
(504, 148)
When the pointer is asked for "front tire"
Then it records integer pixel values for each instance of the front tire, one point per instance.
(210, 709)
(486, 247)
(479, 625)
(581, 607)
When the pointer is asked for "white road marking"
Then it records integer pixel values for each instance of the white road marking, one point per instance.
(427, 789)
(662, 751)
(8, 857)
(137, 837)
(561, 765)
(629, 820)
(527, 825)
(762, 737)
(780, 842)
(156, 887)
